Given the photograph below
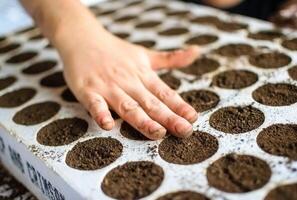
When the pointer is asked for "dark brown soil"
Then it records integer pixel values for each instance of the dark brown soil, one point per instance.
(94, 153)
(39, 67)
(280, 140)
(132, 180)
(145, 43)
(2, 38)
(174, 31)
(133, 3)
(54, 80)
(21, 57)
(238, 173)
(290, 44)
(234, 79)
(148, 24)
(283, 192)
(62, 132)
(266, 35)
(131, 133)
(26, 30)
(201, 66)
(235, 50)
(177, 13)
(183, 195)
(194, 149)
(125, 18)
(36, 37)
(105, 12)
(270, 60)
(68, 96)
(202, 39)
(7, 81)
(210, 20)
(36, 113)
(201, 100)
(156, 7)
(9, 47)
(122, 35)
(231, 26)
(11, 189)
(280, 94)
(49, 46)
(293, 73)
(17, 97)
(114, 115)
(236, 120)
(170, 80)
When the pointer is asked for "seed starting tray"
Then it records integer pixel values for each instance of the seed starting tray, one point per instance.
(42, 169)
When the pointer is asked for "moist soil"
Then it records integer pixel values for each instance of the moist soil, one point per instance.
(21, 57)
(39, 67)
(122, 35)
(230, 26)
(183, 195)
(270, 60)
(280, 94)
(238, 173)
(9, 47)
(133, 180)
(62, 132)
(279, 140)
(36, 113)
(7, 81)
(177, 13)
(53, 80)
(157, 7)
(131, 133)
(174, 31)
(201, 66)
(201, 100)
(208, 19)
(94, 153)
(148, 24)
(290, 44)
(265, 35)
(235, 50)
(17, 97)
(283, 192)
(234, 79)
(68, 96)
(194, 149)
(146, 43)
(114, 115)
(170, 80)
(236, 120)
(125, 18)
(293, 73)
(202, 39)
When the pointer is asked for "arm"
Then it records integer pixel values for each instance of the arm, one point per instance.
(103, 70)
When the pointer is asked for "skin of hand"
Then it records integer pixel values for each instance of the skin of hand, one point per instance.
(222, 3)
(286, 15)
(103, 70)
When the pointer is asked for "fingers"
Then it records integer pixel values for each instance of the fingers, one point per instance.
(98, 109)
(159, 112)
(131, 112)
(170, 97)
(173, 59)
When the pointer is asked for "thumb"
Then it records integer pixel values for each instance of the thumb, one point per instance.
(173, 59)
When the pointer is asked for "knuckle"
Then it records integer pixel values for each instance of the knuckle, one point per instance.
(152, 104)
(166, 94)
(128, 106)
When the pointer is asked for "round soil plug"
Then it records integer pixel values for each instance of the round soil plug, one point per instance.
(290, 44)
(133, 180)
(201, 100)
(9, 47)
(234, 79)
(280, 94)
(183, 195)
(293, 73)
(54, 80)
(174, 31)
(7, 81)
(36, 113)
(21, 57)
(231, 26)
(202, 39)
(207, 19)
(283, 192)
(266, 35)
(201, 66)
(237, 120)
(131, 133)
(148, 24)
(94, 153)
(145, 43)
(68, 96)
(279, 140)
(271, 60)
(39, 67)
(194, 149)
(170, 80)
(17, 97)
(235, 50)
(62, 132)
(238, 173)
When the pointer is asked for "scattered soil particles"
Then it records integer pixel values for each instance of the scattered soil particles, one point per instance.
(201, 66)
(129, 132)
(293, 73)
(16, 97)
(68, 96)
(270, 60)
(21, 57)
(183, 195)
(5, 82)
(236, 120)
(202, 39)
(201, 100)
(290, 44)
(39, 67)
(279, 94)
(266, 35)
(279, 140)
(53, 80)
(36, 113)
(174, 31)
(235, 50)
(94, 153)
(194, 149)
(148, 24)
(238, 173)
(170, 80)
(62, 132)
(283, 192)
(133, 180)
(9, 47)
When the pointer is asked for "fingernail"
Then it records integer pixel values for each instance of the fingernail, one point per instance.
(157, 132)
(107, 123)
(184, 128)
(192, 116)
